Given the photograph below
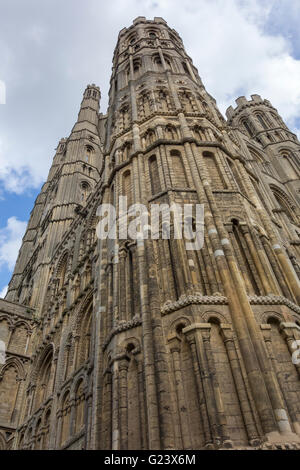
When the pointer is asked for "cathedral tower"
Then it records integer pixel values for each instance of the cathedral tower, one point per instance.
(142, 342)
(72, 177)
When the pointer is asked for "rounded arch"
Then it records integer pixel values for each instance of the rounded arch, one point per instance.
(23, 323)
(43, 376)
(130, 345)
(271, 316)
(82, 330)
(152, 33)
(284, 201)
(83, 306)
(61, 268)
(16, 364)
(177, 325)
(261, 119)
(256, 155)
(40, 358)
(213, 316)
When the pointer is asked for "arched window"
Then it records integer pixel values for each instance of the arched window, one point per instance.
(124, 118)
(199, 133)
(171, 132)
(136, 68)
(44, 386)
(186, 99)
(213, 171)
(84, 329)
(65, 418)
(185, 68)
(88, 154)
(79, 407)
(284, 203)
(127, 186)
(154, 175)
(84, 191)
(163, 101)
(247, 127)
(178, 174)
(150, 137)
(132, 39)
(286, 160)
(261, 121)
(168, 63)
(152, 34)
(158, 63)
(4, 330)
(8, 387)
(144, 104)
(62, 270)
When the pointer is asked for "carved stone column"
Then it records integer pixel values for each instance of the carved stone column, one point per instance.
(214, 386)
(175, 344)
(266, 329)
(123, 401)
(251, 429)
(210, 432)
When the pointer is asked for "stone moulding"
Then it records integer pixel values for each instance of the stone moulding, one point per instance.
(122, 326)
(218, 299)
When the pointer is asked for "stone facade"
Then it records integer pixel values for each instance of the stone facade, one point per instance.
(125, 344)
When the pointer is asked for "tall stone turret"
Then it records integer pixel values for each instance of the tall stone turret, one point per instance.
(167, 143)
(262, 123)
(72, 177)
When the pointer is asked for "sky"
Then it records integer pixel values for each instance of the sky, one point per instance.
(51, 49)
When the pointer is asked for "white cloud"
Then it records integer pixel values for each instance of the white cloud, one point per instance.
(3, 292)
(10, 241)
(47, 65)
(235, 55)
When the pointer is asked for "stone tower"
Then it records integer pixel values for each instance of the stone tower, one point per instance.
(143, 343)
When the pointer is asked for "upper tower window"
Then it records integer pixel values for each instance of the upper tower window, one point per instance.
(185, 68)
(132, 39)
(261, 121)
(88, 153)
(85, 190)
(152, 35)
(247, 127)
(158, 63)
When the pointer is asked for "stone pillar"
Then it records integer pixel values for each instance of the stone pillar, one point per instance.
(247, 413)
(123, 401)
(212, 440)
(205, 333)
(257, 263)
(174, 345)
(115, 407)
(284, 424)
